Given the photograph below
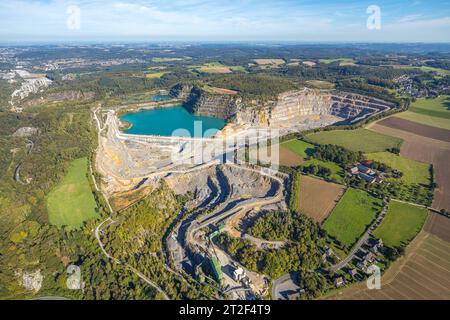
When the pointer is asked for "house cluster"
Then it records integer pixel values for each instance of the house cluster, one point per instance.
(368, 257)
(363, 171)
(327, 253)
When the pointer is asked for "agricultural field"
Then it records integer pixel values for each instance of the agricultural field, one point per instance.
(289, 158)
(356, 140)
(320, 84)
(439, 71)
(155, 75)
(342, 61)
(431, 112)
(317, 198)
(413, 171)
(159, 60)
(351, 217)
(216, 90)
(71, 202)
(401, 224)
(302, 148)
(422, 274)
(424, 149)
(337, 173)
(269, 62)
(416, 128)
(216, 68)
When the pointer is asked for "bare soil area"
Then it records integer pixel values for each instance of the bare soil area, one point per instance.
(439, 226)
(318, 198)
(416, 128)
(289, 158)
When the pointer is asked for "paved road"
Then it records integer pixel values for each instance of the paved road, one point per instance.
(284, 283)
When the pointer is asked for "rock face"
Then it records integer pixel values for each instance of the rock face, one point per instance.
(30, 86)
(181, 91)
(290, 108)
(351, 108)
(205, 104)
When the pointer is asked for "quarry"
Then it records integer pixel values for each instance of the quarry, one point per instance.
(224, 189)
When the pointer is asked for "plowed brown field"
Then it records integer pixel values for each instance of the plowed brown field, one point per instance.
(318, 198)
(416, 128)
(289, 158)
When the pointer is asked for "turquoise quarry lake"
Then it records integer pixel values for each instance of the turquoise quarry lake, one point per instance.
(164, 122)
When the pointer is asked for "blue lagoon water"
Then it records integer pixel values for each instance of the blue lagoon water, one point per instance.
(158, 98)
(164, 122)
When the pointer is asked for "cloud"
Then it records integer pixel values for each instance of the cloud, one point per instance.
(409, 18)
(326, 20)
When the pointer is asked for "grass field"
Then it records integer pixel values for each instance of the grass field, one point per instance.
(401, 224)
(337, 173)
(217, 68)
(167, 59)
(302, 148)
(214, 68)
(439, 107)
(356, 140)
(320, 84)
(439, 71)
(271, 62)
(413, 171)
(437, 122)
(342, 61)
(155, 75)
(351, 217)
(71, 202)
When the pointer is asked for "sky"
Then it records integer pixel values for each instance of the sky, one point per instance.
(225, 20)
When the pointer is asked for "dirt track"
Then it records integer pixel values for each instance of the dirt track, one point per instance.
(318, 198)
(416, 128)
(427, 150)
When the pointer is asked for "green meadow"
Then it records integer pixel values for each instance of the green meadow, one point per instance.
(351, 217)
(71, 202)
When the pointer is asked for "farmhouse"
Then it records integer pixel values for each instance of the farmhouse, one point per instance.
(369, 257)
(366, 170)
(354, 170)
(368, 178)
(367, 163)
(353, 272)
(363, 264)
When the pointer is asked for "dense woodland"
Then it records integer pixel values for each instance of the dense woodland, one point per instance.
(301, 253)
